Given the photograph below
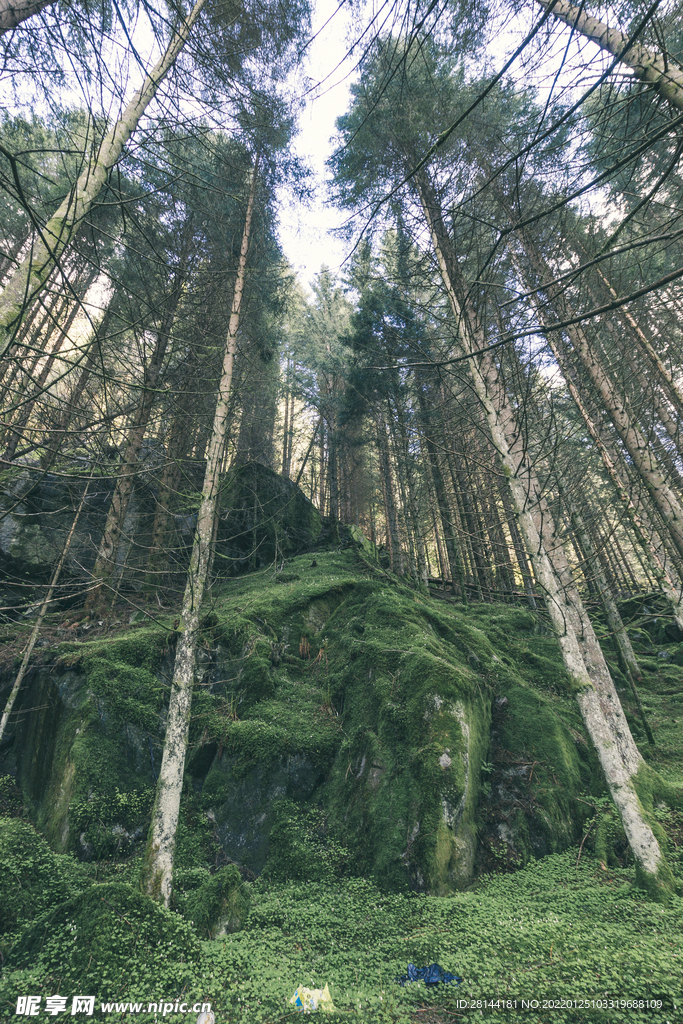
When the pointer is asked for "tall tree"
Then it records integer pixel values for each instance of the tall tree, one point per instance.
(391, 144)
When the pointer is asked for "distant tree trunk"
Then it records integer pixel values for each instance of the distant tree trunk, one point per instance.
(258, 396)
(288, 429)
(157, 874)
(627, 658)
(412, 503)
(62, 331)
(32, 273)
(395, 553)
(323, 467)
(177, 447)
(658, 570)
(670, 386)
(59, 432)
(445, 514)
(520, 551)
(632, 438)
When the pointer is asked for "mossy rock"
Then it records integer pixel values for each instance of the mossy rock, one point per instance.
(108, 939)
(264, 517)
(32, 877)
(94, 743)
(215, 905)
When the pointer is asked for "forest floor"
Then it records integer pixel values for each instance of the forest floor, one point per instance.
(568, 939)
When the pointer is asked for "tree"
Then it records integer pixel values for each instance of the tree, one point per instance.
(654, 69)
(30, 275)
(158, 870)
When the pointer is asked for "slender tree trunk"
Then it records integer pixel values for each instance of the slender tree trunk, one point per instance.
(395, 553)
(157, 875)
(657, 568)
(107, 555)
(627, 658)
(22, 420)
(457, 574)
(635, 443)
(412, 499)
(286, 439)
(673, 390)
(30, 276)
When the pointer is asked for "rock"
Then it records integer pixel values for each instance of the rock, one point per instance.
(264, 516)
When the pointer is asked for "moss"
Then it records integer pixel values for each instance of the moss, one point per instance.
(97, 739)
(337, 687)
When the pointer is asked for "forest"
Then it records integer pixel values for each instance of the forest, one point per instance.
(341, 619)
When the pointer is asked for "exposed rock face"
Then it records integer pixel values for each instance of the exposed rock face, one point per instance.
(245, 817)
(264, 517)
(36, 513)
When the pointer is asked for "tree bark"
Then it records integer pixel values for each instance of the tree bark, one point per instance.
(157, 875)
(14, 12)
(649, 67)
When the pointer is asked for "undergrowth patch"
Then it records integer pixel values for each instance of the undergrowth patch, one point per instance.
(554, 930)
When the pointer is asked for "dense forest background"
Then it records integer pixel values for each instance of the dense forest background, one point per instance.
(454, 464)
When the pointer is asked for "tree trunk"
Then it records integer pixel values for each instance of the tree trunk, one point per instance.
(654, 562)
(13, 12)
(107, 554)
(32, 273)
(157, 875)
(659, 72)
(395, 553)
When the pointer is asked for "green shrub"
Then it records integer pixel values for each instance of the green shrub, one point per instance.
(111, 823)
(301, 847)
(215, 904)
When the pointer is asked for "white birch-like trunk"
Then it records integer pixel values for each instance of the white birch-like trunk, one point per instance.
(653, 68)
(157, 876)
(597, 698)
(32, 273)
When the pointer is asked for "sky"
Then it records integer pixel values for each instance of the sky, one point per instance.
(305, 230)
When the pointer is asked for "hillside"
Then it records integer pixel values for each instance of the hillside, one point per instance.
(357, 748)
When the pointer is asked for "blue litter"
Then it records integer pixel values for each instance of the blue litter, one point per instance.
(431, 975)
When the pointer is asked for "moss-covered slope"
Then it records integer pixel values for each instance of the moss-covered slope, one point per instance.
(342, 723)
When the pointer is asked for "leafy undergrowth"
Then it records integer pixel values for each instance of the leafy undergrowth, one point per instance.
(553, 931)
